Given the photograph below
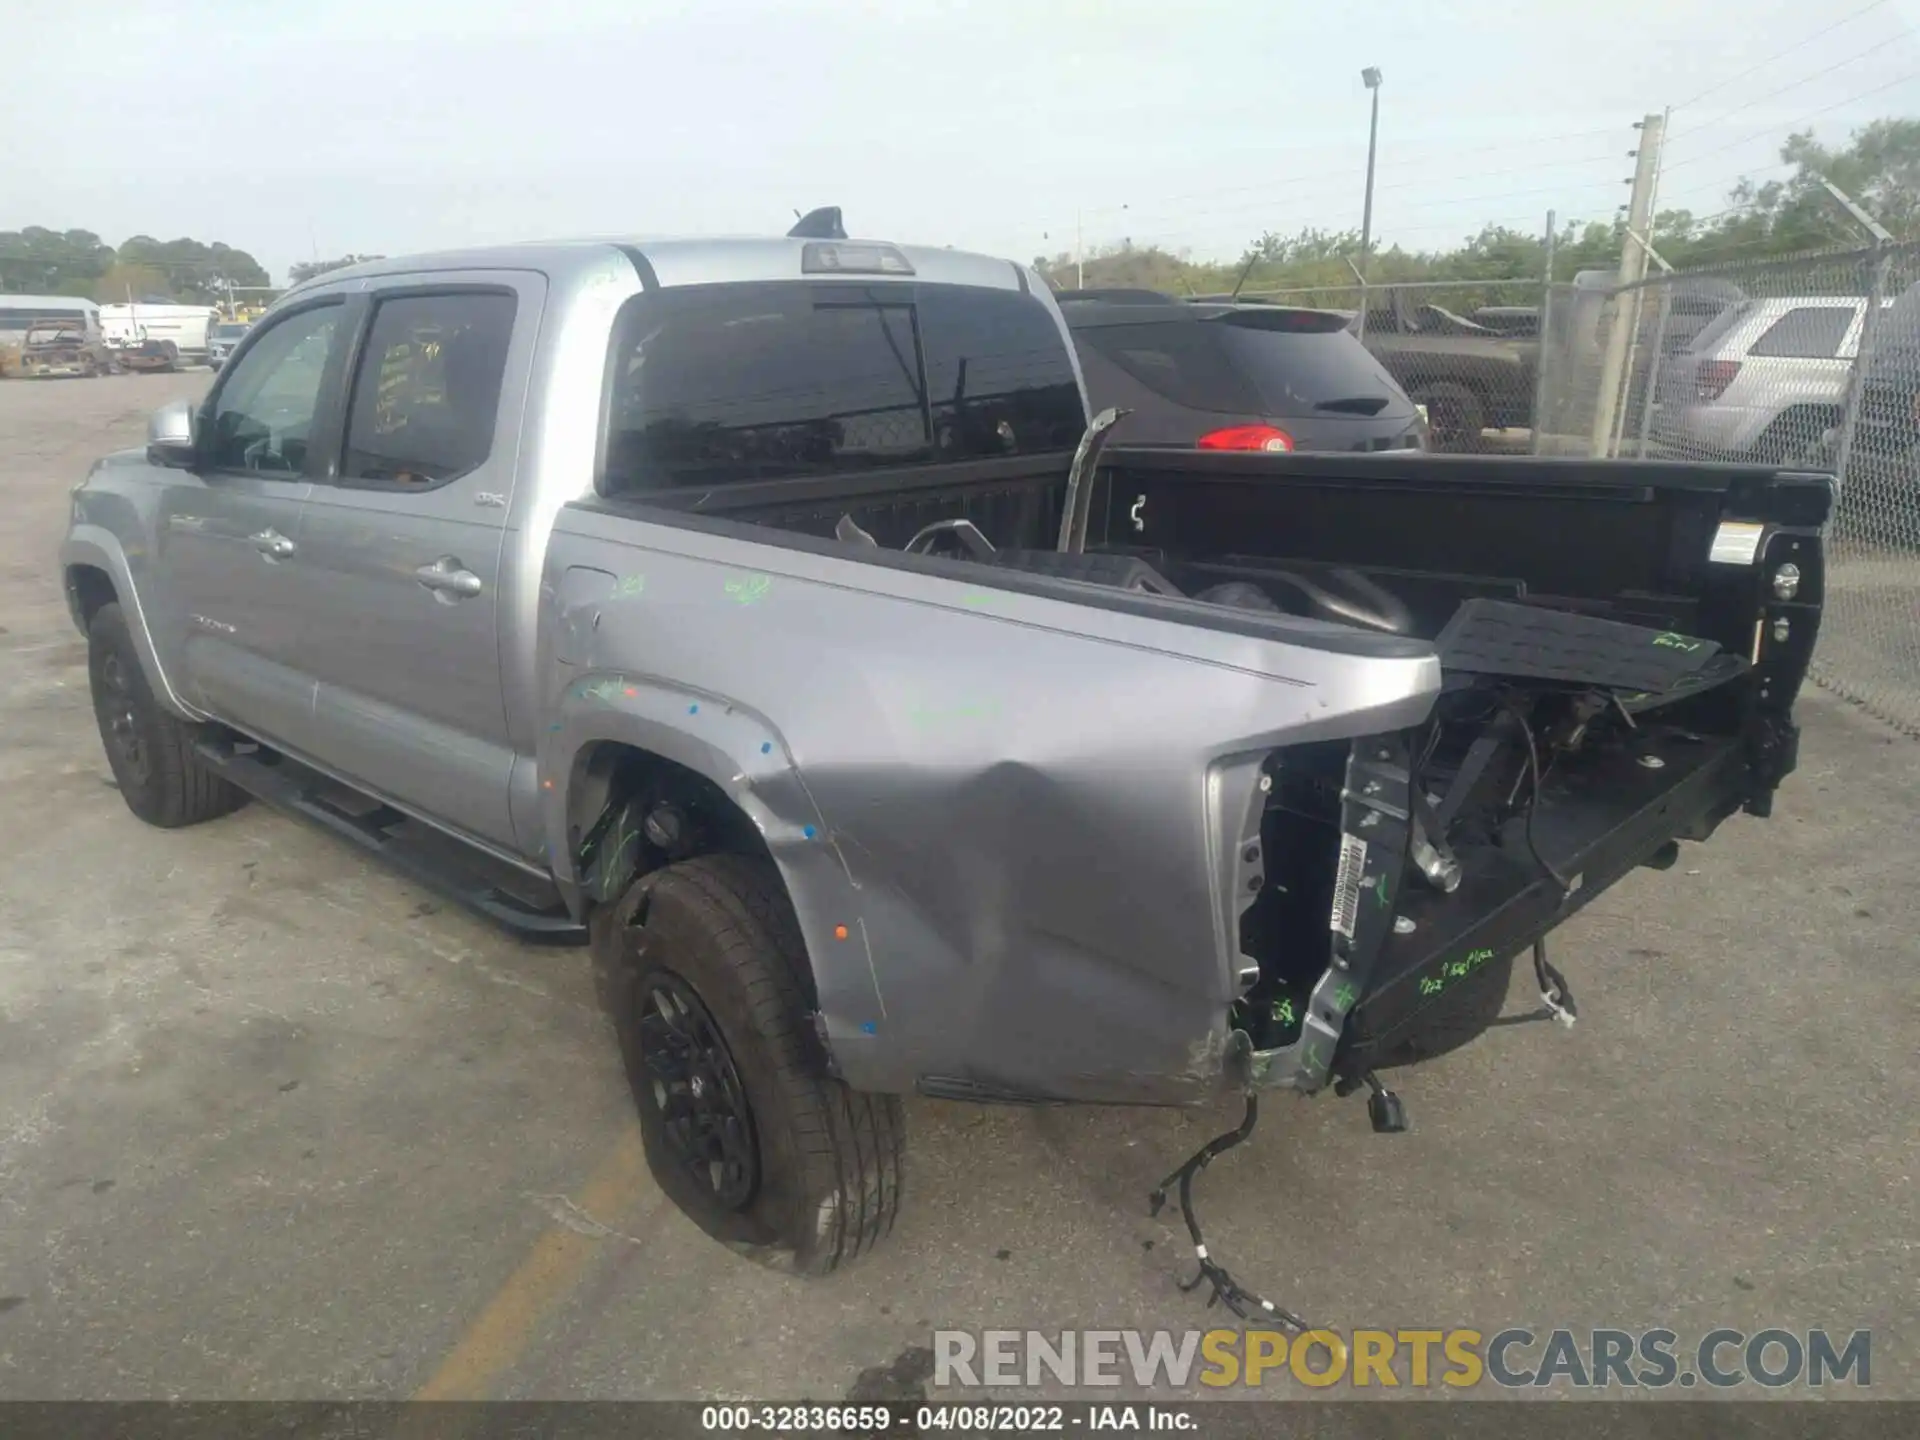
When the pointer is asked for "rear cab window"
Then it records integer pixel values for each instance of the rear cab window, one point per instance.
(729, 384)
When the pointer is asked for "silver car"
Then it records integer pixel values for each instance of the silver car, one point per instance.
(1763, 381)
(221, 339)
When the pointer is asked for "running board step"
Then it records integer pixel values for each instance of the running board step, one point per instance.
(523, 904)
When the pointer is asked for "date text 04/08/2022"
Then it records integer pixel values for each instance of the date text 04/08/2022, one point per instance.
(961, 1418)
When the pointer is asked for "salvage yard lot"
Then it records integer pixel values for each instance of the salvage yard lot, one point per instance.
(276, 1123)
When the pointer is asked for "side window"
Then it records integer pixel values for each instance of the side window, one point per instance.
(1811, 332)
(263, 415)
(428, 389)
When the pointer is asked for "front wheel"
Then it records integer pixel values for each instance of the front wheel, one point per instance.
(149, 750)
(701, 966)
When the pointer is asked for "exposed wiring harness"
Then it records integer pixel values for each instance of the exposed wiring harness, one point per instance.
(1226, 1290)
(1517, 710)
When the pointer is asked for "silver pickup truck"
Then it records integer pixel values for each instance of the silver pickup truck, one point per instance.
(766, 614)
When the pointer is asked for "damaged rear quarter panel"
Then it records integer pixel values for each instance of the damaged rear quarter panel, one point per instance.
(1008, 823)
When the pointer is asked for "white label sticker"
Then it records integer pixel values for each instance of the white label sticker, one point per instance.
(1736, 542)
(1346, 885)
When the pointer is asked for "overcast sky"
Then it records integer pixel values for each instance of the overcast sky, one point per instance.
(294, 128)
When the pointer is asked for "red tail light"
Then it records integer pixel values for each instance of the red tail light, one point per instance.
(1246, 437)
(1713, 377)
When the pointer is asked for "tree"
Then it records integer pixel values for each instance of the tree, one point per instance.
(125, 281)
(1879, 167)
(37, 260)
(307, 269)
(195, 271)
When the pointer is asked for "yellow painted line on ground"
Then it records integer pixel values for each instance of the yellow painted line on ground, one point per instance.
(499, 1334)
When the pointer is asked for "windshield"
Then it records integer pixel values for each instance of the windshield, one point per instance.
(228, 332)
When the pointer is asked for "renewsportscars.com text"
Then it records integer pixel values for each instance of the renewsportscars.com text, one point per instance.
(1459, 1358)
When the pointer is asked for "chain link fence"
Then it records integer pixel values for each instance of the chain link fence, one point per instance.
(1808, 362)
(1467, 350)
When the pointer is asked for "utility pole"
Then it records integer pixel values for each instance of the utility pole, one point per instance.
(1370, 77)
(1079, 251)
(1633, 268)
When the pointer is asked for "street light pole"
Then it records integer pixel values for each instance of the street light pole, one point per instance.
(1371, 78)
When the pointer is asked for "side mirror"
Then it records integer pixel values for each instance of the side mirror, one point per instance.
(170, 435)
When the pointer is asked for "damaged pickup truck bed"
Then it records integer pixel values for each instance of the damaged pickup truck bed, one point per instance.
(746, 608)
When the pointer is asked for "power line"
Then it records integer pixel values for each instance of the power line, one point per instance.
(1288, 189)
(1402, 158)
(1791, 85)
(1762, 134)
(1727, 182)
(1798, 44)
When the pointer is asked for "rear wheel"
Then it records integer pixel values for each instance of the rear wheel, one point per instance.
(1795, 434)
(149, 750)
(1455, 416)
(701, 966)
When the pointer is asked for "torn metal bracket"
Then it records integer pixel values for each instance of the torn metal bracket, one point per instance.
(1376, 835)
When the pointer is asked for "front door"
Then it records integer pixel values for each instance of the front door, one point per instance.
(404, 552)
(227, 538)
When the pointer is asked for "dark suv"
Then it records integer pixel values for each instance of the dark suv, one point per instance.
(1222, 376)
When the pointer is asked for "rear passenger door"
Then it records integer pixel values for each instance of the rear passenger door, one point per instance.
(403, 550)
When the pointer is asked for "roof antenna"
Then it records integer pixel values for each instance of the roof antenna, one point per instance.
(821, 224)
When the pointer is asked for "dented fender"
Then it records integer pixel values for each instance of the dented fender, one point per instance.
(1029, 813)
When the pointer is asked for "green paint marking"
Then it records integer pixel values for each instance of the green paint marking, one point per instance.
(749, 589)
(1667, 640)
(1343, 998)
(1283, 1011)
(1380, 892)
(960, 710)
(976, 600)
(1452, 970)
(632, 585)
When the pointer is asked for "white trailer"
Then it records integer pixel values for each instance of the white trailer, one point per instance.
(184, 327)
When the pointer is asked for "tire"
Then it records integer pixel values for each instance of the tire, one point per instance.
(808, 1176)
(1792, 435)
(172, 352)
(1455, 416)
(149, 750)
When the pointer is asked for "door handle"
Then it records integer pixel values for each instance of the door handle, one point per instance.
(273, 545)
(447, 576)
